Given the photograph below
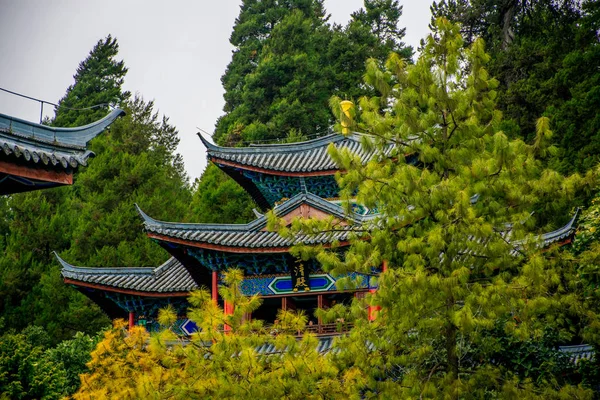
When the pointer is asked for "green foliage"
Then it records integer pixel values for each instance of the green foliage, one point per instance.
(453, 277)
(288, 61)
(541, 53)
(215, 364)
(218, 199)
(134, 165)
(98, 81)
(93, 222)
(30, 369)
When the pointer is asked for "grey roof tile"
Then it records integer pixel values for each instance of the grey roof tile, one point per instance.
(50, 146)
(251, 235)
(169, 277)
(308, 156)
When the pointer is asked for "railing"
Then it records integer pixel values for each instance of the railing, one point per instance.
(329, 329)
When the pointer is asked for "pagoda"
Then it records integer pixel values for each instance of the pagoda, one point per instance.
(35, 156)
(293, 180)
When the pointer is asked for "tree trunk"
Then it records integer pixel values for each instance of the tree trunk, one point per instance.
(451, 350)
(508, 13)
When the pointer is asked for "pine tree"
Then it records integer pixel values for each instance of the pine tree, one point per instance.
(457, 288)
(541, 52)
(98, 85)
(289, 60)
(95, 219)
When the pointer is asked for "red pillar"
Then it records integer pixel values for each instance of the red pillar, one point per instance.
(373, 310)
(215, 289)
(131, 319)
(229, 308)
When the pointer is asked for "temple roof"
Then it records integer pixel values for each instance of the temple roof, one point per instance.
(561, 233)
(291, 158)
(170, 277)
(35, 156)
(252, 236)
(38, 143)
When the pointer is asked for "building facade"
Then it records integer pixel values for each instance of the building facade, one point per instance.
(294, 180)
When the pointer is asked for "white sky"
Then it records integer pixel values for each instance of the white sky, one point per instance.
(176, 52)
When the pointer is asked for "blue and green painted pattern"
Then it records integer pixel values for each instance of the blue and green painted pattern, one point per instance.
(275, 187)
(181, 327)
(282, 284)
(147, 306)
(251, 264)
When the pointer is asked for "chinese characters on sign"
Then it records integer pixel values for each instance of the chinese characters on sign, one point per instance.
(300, 280)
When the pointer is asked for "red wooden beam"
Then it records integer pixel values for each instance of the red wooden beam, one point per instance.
(36, 173)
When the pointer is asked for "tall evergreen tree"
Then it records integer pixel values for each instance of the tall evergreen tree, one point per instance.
(289, 60)
(457, 288)
(541, 51)
(98, 84)
(383, 18)
(95, 219)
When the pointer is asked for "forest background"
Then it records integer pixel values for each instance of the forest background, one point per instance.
(288, 62)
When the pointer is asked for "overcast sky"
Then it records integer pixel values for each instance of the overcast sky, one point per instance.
(176, 52)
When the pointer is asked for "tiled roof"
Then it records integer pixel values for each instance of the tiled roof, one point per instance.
(251, 235)
(578, 352)
(561, 233)
(308, 156)
(170, 277)
(49, 146)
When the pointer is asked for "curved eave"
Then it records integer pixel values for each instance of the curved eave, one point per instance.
(237, 249)
(114, 289)
(274, 148)
(97, 271)
(261, 222)
(300, 159)
(134, 281)
(562, 234)
(150, 222)
(77, 137)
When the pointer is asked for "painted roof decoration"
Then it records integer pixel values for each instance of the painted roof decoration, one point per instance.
(170, 277)
(291, 158)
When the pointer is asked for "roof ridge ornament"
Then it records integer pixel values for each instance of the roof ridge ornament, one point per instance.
(347, 112)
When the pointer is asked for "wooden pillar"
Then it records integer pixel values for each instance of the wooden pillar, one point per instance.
(287, 303)
(373, 310)
(229, 308)
(131, 319)
(215, 288)
(320, 306)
